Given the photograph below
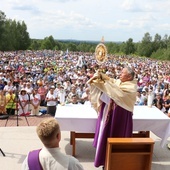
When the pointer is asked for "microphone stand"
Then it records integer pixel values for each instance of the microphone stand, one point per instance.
(17, 103)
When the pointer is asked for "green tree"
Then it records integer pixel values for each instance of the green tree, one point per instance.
(63, 46)
(46, 44)
(71, 47)
(92, 49)
(22, 36)
(81, 47)
(165, 41)
(122, 47)
(51, 39)
(157, 43)
(129, 47)
(15, 36)
(57, 45)
(113, 48)
(9, 38)
(145, 48)
(166, 55)
(168, 43)
(161, 54)
(2, 27)
(35, 45)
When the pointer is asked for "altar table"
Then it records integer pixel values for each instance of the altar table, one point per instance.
(81, 119)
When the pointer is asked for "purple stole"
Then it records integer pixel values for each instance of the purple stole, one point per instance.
(33, 160)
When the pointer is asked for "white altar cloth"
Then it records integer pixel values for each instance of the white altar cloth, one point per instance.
(82, 118)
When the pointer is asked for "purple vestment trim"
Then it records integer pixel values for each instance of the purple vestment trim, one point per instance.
(33, 160)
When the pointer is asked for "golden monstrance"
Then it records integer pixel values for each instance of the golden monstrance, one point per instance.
(100, 55)
(101, 52)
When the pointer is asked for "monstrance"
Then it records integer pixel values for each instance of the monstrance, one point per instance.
(100, 56)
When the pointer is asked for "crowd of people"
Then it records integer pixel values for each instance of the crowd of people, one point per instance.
(47, 78)
(30, 79)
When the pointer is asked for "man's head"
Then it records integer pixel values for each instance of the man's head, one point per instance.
(52, 88)
(158, 95)
(138, 93)
(73, 89)
(10, 91)
(49, 132)
(127, 74)
(23, 91)
(74, 99)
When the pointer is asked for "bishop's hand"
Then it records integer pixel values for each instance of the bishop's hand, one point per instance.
(97, 78)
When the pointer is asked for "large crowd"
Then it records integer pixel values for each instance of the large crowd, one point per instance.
(48, 77)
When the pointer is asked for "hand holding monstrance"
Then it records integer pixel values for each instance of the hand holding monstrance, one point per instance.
(101, 57)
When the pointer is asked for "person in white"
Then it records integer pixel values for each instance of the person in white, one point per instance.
(61, 95)
(52, 100)
(80, 61)
(23, 101)
(35, 100)
(86, 96)
(8, 87)
(29, 88)
(50, 156)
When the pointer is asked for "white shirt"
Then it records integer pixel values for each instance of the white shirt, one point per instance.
(51, 96)
(53, 158)
(35, 99)
(29, 90)
(7, 88)
(23, 99)
(62, 96)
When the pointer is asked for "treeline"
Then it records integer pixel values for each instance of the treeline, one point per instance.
(14, 36)
(157, 47)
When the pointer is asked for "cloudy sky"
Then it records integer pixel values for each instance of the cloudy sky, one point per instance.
(116, 20)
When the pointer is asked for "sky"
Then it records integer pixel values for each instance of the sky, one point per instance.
(116, 20)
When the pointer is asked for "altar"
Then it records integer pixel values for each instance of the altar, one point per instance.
(82, 119)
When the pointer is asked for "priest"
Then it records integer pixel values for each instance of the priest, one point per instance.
(114, 100)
